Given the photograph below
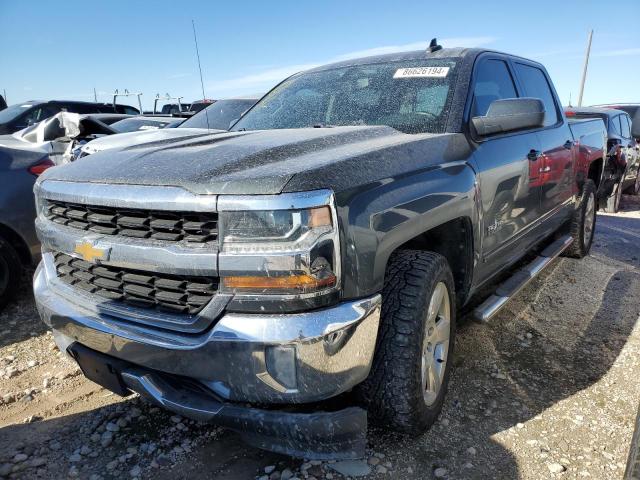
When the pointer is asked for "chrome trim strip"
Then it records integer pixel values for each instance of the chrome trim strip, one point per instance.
(283, 201)
(139, 254)
(147, 197)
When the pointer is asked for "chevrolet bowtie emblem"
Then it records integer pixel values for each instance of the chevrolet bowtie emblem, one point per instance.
(90, 253)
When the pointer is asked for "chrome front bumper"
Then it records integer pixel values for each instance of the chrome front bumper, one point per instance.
(270, 358)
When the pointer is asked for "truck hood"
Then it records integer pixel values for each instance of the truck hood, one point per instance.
(136, 138)
(266, 161)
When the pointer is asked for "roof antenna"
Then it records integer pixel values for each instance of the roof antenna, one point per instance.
(433, 46)
(195, 38)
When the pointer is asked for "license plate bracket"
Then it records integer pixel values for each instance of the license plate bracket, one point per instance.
(100, 368)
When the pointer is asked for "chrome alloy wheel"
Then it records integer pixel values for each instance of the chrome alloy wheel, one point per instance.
(589, 220)
(435, 345)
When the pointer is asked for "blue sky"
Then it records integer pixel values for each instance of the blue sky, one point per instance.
(65, 49)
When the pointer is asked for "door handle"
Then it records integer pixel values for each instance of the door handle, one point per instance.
(568, 144)
(534, 155)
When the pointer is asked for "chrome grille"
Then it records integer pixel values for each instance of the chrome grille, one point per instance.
(158, 225)
(169, 293)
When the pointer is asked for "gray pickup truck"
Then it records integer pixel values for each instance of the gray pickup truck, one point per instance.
(305, 269)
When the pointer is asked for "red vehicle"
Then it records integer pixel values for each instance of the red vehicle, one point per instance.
(622, 167)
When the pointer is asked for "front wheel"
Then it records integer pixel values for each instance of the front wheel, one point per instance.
(410, 373)
(583, 222)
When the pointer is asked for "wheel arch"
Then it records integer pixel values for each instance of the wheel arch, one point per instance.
(17, 242)
(454, 241)
(595, 172)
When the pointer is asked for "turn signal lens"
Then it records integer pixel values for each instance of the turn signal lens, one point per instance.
(294, 283)
(319, 217)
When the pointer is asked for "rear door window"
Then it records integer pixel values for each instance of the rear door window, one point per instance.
(492, 82)
(614, 126)
(535, 85)
(625, 127)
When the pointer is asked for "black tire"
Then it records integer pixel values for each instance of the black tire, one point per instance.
(10, 272)
(611, 204)
(394, 391)
(634, 188)
(582, 237)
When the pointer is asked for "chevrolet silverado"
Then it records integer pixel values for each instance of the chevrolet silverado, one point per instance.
(306, 269)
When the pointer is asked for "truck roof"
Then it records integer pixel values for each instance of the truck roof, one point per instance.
(457, 52)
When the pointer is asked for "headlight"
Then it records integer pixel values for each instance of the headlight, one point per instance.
(281, 258)
(274, 230)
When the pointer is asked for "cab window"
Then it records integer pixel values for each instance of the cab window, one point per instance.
(492, 82)
(624, 123)
(614, 126)
(38, 114)
(535, 85)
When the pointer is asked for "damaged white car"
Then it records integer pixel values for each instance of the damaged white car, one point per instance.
(60, 134)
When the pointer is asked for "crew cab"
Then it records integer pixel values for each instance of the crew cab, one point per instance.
(303, 271)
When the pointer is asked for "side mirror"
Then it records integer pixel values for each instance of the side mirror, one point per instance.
(510, 114)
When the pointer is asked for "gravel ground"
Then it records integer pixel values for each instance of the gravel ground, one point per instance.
(547, 390)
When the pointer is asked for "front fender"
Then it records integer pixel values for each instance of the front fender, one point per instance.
(378, 219)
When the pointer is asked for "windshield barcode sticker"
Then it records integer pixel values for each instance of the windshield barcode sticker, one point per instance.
(416, 72)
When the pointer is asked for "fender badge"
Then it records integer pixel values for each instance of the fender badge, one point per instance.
(89, 253)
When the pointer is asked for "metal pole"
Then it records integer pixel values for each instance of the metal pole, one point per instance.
(95, 95)
(195, 39)
(584, 70)
(5, 94)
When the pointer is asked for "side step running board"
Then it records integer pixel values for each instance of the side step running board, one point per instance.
(515, 283)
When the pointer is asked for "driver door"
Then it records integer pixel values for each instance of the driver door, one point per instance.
(508, 167)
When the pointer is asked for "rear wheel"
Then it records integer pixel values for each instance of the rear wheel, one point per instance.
(10, 272)
(410, 372)
(583, 222)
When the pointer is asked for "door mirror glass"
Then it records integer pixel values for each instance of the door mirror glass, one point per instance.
(510, 114)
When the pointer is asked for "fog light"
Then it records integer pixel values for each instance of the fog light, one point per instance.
(281, 365)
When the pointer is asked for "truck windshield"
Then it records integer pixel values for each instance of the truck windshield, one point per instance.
(410, 96)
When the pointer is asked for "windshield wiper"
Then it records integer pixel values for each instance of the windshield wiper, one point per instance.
(322, 125)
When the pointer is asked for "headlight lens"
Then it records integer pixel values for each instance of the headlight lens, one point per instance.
(273, 230)
(280, 255)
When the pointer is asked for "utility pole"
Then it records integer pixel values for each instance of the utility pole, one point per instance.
(95, 95)
(584, 70)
